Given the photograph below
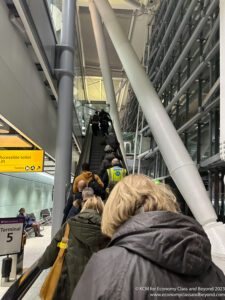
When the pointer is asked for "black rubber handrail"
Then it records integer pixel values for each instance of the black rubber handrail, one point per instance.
(23, 284)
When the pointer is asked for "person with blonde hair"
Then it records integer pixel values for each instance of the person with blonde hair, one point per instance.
(155, 252)
(84, 239)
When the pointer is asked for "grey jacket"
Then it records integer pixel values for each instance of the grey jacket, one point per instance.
(154, 255)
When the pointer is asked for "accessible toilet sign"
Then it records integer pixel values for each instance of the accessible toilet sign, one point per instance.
(21, 160)
(11, 230)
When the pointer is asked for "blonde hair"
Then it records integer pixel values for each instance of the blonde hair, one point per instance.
(133, 194)
(95, 203)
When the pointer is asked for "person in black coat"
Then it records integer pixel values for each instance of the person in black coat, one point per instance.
(95, 123)
(107, 158)
(155, 252)
(112, 141)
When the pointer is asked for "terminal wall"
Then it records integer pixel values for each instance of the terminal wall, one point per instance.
(24, 101)
(26, 191)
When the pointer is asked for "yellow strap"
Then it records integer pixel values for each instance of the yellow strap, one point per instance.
(62, 245)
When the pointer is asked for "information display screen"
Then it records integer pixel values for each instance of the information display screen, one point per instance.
(11, 231)
(21, 160)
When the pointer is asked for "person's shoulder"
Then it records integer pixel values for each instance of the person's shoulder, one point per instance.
(79, 177)
(109, 256)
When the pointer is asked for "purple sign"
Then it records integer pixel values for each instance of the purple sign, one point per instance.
(11, 220)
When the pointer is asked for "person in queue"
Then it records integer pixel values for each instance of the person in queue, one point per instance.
(107, 158)
(114, 174)
(95, 123)
(28, 222)
(78, 196)
(104, 124)
(112, 141)
(87, 193)
(153, 248)
(86, 175)
(84, 239)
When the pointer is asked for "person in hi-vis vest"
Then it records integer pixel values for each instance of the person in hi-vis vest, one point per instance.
(114, 174)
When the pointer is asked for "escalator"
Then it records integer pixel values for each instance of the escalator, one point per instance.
(28, 285)
(97, 153)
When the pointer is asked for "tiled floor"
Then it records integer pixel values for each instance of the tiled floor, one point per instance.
(34, 248)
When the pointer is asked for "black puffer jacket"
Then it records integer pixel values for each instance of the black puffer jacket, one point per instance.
(154, 255)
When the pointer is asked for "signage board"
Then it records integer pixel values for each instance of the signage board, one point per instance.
(11, 231)
(21, 160)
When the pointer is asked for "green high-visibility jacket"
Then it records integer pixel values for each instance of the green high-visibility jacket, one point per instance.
(116, 174)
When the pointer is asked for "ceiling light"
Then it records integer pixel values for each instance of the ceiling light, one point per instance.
(13, 141)
(4, 130)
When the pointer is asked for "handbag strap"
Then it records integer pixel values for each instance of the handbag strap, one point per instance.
(63, 244)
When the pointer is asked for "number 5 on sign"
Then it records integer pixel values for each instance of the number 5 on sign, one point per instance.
(9, 237)
(11, 230)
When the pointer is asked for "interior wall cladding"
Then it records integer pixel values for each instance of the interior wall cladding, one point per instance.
(17, 192)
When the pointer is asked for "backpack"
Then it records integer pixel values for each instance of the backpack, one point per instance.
(98, 189)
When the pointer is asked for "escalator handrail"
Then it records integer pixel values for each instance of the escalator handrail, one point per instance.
(19, 288)
(84, 153)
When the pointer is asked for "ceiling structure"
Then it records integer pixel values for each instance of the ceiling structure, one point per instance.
(89, 85)
(134, 24)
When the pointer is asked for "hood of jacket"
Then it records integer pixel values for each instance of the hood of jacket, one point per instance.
(87, 175)
(85, 226)
(173, 241)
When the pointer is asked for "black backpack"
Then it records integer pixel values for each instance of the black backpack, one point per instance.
(98, 189)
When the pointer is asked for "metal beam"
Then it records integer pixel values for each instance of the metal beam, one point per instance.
(193, 76)
(212, 34)
(136, 138)
(188, 46)
(168, 31)
(65, 112)
(169, 7)
(176, 37)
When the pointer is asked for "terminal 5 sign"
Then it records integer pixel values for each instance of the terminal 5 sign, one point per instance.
(21, 160)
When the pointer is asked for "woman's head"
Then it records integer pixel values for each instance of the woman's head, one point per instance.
(22, 210)
(133, 194)
(95, 203)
